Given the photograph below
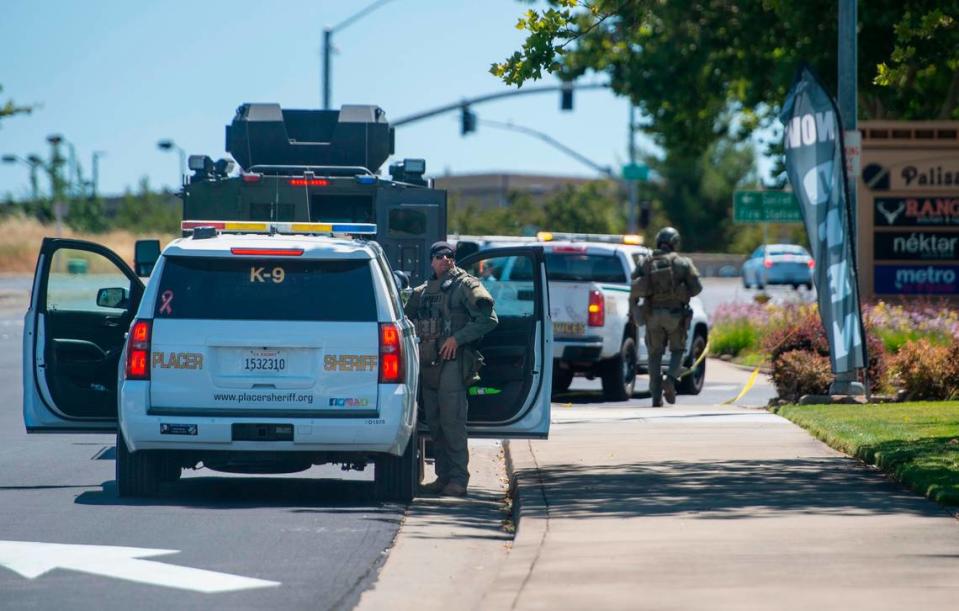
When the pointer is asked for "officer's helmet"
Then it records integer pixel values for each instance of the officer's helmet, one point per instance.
(667, 239)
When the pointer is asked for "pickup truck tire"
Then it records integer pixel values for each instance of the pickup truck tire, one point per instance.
(619, 373)
(137, 473)
(562, 378)
(395, 477)
(692, 384)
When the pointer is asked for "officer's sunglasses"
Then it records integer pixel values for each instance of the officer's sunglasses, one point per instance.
(442, 256)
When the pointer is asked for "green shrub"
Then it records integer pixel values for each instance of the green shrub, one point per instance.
(801, 372)
(928, 371)
(894, 339)
(733, 337)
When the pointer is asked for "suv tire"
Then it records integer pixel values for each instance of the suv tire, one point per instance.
(395, 477)
(693, 383)
(619, 373)
(137, 473)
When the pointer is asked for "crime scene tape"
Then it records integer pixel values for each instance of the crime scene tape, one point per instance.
(696, 363)
(746, 387)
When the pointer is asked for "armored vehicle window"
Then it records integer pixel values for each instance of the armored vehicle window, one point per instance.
(266, 289)
(407, 223)
(584, 268)
(341, 208)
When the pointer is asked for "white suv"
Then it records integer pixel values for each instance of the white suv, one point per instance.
(259, 353)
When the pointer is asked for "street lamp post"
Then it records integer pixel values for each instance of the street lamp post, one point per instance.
(328, 46)
(33, 162)
(170, 145)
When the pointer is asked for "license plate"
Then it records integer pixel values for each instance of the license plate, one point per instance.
(569, 328)
(264, 361)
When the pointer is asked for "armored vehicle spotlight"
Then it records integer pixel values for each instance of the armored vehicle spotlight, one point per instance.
(409, 171)
(200, 163)
(223, 167)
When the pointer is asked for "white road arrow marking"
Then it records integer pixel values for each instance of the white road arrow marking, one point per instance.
(31, 560)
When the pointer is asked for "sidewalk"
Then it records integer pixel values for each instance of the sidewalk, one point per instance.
(448, 550)
(702, 507)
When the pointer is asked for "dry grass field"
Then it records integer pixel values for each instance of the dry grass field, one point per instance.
(20, 239)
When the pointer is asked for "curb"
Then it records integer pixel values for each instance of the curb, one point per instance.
(531, 517)
(762, 369)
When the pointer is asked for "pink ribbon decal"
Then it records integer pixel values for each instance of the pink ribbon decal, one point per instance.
(167, 298)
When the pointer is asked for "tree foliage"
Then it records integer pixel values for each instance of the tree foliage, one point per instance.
(595, 207)
(697, 68)
(10, 108)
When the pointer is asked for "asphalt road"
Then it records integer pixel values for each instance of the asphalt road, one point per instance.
(316, 534)
(322, 539)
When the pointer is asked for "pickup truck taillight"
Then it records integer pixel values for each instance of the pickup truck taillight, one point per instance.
(138, 350)
(597, 309)
(391, 354)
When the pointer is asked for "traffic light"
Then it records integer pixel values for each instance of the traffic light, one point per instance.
(467, 121)
(566, 96)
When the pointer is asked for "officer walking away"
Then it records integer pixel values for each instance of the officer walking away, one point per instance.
(666, 281)
(451, 311)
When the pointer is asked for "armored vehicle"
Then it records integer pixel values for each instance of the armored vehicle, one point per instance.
(321, 166)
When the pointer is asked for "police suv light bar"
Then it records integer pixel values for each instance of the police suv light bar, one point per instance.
(285, 228)
(609, 238)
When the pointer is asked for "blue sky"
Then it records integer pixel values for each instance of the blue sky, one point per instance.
(117, 76)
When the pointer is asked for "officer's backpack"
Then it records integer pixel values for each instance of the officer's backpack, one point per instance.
(661, 278)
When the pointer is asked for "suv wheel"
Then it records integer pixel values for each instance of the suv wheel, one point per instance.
(619, 373)
(395, 477)
(562, 378)
(692, 384)
(137, 473)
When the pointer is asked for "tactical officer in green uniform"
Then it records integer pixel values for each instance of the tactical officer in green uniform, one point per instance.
(452, 311)
(666, 281)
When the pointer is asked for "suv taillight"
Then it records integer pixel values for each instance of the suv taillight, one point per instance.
(597, 309)
(391, 354)
(138, 350)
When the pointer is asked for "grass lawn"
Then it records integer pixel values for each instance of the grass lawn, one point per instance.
(917, 443)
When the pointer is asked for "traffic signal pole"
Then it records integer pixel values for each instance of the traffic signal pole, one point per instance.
(455, 106)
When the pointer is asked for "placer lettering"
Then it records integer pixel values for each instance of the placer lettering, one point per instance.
(177, 360)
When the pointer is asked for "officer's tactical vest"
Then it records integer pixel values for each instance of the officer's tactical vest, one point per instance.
(436, 319)
(664, 285)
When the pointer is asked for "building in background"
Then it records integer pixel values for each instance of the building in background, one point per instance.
(485, 191)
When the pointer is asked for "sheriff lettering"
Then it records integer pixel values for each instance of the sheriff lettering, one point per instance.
(350, 362)
(177, 360)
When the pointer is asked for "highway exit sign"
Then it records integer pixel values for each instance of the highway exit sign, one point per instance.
(765, 207)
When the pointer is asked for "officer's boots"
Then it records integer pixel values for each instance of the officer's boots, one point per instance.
(669, 389)
(434, 487)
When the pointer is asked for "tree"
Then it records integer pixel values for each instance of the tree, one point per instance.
(704, 71)
(594, 207)
(147, 211)
(9, 108)
(697, 68)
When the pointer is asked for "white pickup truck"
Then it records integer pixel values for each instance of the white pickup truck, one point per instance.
(593, 332)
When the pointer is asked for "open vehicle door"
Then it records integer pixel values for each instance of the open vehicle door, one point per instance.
(512, 398)
(84, 297)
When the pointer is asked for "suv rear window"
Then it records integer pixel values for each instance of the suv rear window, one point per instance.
(585, 268)
(266, 289)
